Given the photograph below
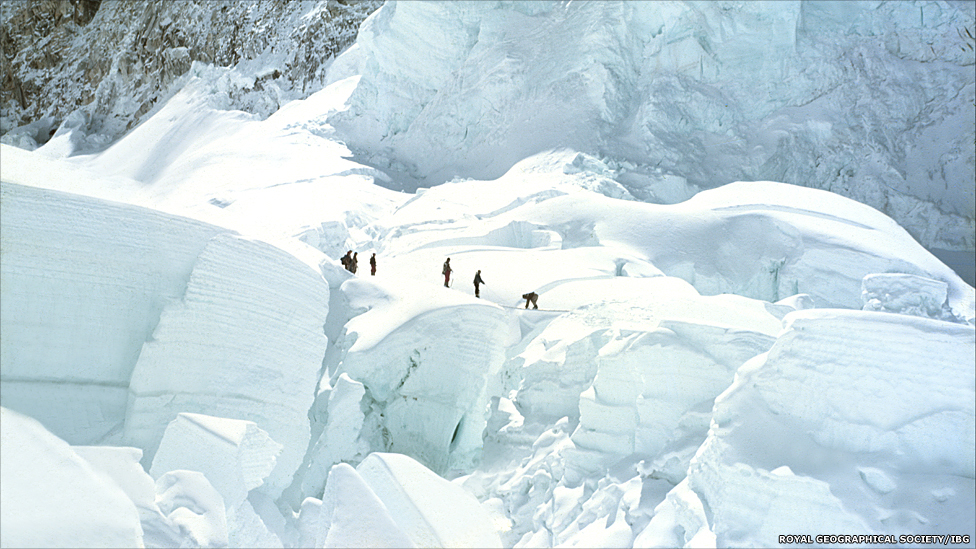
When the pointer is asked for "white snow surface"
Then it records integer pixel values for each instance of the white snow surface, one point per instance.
(698, 373)
(430, 510)
(52, 497)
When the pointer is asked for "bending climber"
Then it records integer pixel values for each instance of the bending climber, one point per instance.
(446, 271)
(531, 297)
(477, 283)
(354, 264)
(372, 265)
(347, 260)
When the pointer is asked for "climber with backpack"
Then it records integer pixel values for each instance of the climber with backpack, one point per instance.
(446, 271)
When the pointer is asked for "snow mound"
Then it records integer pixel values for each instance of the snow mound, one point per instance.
(52, 497)
(190, 502)
(878, 441)
(121, 465)
(235, 456)
(761, 239)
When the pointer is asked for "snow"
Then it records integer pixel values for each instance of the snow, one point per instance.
(715, 369)
(235, 455)
(84, 283)
(857, 447)
(872, 101)
(238, 290)
(356, 517)
(430, 379)
(432, 511)
(52, 497)
(121, 465)
(191, 503)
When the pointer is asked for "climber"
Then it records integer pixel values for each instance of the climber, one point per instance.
(354, 264)
(372, 265)
(531, 297)
(346, 260)
(446, 271)
(477, 283)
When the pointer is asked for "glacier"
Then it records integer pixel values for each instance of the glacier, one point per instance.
(725, 351)
(839, 96)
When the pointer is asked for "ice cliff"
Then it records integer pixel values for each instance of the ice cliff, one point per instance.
(90, 345)
(705, 92)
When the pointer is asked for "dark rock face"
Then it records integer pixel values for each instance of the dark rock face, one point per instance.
(117, 59)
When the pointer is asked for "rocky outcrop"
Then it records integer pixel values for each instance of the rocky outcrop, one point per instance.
(116, 60)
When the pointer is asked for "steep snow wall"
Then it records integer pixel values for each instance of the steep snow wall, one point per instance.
(115, 318)
(430, 381)
(425, 363)
(245, 341)
(872, 100)
(84, 282)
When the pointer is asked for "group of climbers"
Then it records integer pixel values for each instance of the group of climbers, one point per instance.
(530, 297)
(351, 262)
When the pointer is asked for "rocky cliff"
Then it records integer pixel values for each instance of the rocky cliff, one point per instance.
(112, 61)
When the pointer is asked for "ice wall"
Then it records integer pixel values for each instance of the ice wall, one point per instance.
(874, 413)
(102, 301)
(873, 101)
(427, 361)
(245, 341)
(84, 282)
